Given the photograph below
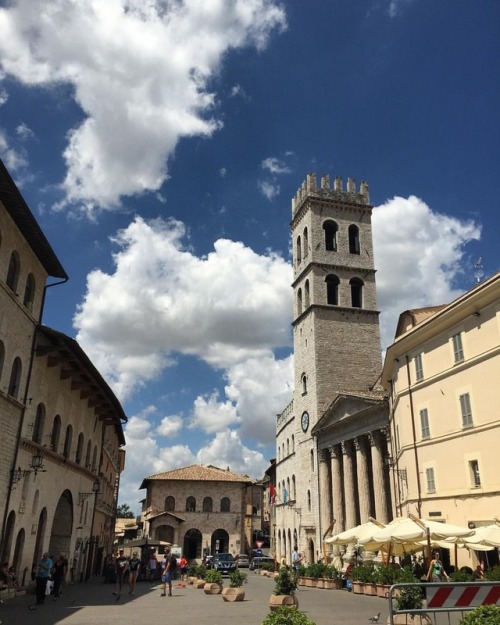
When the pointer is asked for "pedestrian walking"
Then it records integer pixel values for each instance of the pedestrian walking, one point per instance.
(42, 576)
(121, 567)
(134, 566)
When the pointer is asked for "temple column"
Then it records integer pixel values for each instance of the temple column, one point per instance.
(362, 478)
(337, 489)
(324, 491)
(378, 450)
(349, 489)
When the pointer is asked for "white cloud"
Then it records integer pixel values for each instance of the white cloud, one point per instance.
(161, 300)
(168, 52)
(4, 96)
(396, 6)
(170, 426)
(419, 257)
(213, 416)
(14, 160)
(268, 189)
(226, 450)
(24, 132)
(275, 165)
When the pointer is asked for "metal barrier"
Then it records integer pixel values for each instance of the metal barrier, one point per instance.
(447, 597)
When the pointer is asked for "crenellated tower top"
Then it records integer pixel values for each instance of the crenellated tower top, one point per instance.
(350, 195)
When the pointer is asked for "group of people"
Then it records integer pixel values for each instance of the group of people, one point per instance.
(129, 569)
(49, 575)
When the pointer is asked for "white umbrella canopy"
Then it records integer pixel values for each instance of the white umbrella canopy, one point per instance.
(485, 538)
(414, 533)
(489, 534)
(355, 534)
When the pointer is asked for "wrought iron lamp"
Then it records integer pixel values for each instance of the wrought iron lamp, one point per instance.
(95, 490)
(36, 466)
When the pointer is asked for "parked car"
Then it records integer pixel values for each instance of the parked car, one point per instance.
(224, 563)
(259, 561)
(243, 561)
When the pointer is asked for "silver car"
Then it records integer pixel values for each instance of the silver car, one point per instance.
(243, 561)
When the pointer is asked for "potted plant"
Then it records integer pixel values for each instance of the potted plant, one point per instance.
(235, 591)
(213, 582)
(284, 590)
(410, 598)
(200, 571)
(191, 575)
(287, 615)
(385, 576)
(332, 577)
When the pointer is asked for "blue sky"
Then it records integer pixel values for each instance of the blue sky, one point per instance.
(160, 143)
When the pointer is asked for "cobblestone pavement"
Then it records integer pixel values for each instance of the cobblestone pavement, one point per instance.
(92, 603)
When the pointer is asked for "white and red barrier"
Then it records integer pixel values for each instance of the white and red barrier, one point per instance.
(451, 596)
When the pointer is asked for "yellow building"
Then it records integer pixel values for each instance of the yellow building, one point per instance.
(442, 374)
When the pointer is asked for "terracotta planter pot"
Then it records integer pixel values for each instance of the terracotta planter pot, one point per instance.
(311, 582)
(320, 583)
(276, 601)
(370, 589)
(302, 581)
(233, 594)
(382, 590)
(358, 588)
(191, 580)
(198, 583)
(330, 584)
(212, 589)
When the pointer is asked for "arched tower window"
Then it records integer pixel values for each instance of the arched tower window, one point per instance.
(356, 292)
(29, 292)
(353, 239)
(56, 433)
(79, 449)
(298, 251)
(312, 459)
(169, 504)
(305, 235)
(39, 424)
(225, 504)
(87, 455)
(190, 504)
(208, 504)
(299, 302)
(15, 378)
(306, 295)
(332, 290)
(330, 228)
(304, 383)
(13, 271)
(293, 494)
(67, 441)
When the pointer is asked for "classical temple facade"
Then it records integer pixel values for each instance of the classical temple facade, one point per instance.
(332, 439)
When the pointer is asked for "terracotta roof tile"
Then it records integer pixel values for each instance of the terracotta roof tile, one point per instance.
(200, 473)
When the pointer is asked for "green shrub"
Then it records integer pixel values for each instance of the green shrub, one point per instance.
(484, 615)
(268, 566)
(213, 577)
(364, 574)
(461, 576)
(493, 574)
(316, 570)
(284, 583)
(386, 574)
(410, 598)
(200, 571)
(237, 579)
(332, 573)
(287, 615)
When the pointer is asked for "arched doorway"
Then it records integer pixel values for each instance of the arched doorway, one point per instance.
(60, 536)
(192, 544)
(220, 541)
(9, 533)
(311, 556)
(40, 533)
(18, 556)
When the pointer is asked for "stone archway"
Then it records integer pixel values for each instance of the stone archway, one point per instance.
(62, 525)
(9, 534)
(311, 555)
(220, 541)
(18, 556)
(192, 544)
(40, 535)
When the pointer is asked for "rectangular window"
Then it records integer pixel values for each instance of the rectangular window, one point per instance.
(419, 370)
(475, 476)
(458, 350)
(424, 423)
(466, 411)
(431, 484)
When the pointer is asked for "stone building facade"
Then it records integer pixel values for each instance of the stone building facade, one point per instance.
(203, 509)
(442, 374)
(60, 450)
(332, 438)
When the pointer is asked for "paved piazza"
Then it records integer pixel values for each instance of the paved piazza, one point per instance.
(92, 603)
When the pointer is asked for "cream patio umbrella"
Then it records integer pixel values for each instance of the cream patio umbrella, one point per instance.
(355, 534)
(414, 533)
